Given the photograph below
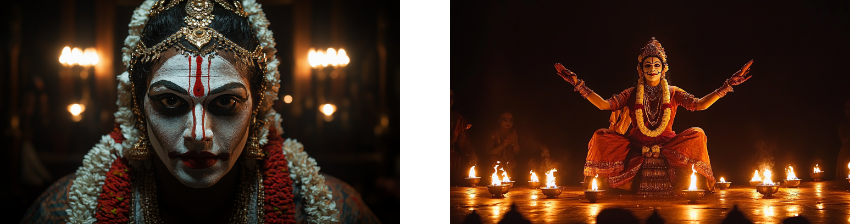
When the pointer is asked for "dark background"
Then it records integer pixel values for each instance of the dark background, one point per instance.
(360, 145)
(503, 54)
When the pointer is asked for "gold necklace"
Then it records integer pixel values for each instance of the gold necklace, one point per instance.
(639, 112)
(146, 186)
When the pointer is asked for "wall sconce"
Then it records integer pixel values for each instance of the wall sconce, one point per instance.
(76, 111)
(76, 56)
(331, 57)
(328, 110)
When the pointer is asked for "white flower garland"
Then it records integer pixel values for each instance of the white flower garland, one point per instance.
(90, 177)
(320, 206)
(84, 192)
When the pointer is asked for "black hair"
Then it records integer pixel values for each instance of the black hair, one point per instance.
(234, 27)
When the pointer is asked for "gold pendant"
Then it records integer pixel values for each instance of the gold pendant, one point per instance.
(198, 36)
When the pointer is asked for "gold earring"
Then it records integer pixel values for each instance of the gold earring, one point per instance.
(254, 151)
(140, 151)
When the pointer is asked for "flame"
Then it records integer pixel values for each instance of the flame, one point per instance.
(593, 186)
(722, 180)
(472, 172)
(494, 179)
(505, 176)
(534, 177)
(550, 179)
(817, 169)
(332, 57)
(848, 166)
(767, 180)
(790, 173)
(77, 56)
(693, 186)
(756, 176)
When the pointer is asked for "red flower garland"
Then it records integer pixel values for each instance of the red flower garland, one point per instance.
(279, 205)
(113, 205)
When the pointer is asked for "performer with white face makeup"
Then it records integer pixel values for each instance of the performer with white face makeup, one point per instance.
(202, 121)
(196, 138)
(616, 156)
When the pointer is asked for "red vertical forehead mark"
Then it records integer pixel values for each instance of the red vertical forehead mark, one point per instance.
(198, 89)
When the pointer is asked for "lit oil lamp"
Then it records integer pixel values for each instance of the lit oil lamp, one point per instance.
(505, 179)
(496, 188)
(534, 182)
(791, 180)
(551, 190)
(722, 184)
(594, 194)
(692, 193)
(756, 179)
(767, 187)
(472, 180)
(817, 174)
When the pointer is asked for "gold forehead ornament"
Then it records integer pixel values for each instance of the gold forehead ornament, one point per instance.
(197, 32)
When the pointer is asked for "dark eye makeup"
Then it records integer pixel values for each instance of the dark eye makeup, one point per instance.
(226, 105)
(169, 104)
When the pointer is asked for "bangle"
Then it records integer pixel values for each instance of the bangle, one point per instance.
(724, 89)
(582, 89)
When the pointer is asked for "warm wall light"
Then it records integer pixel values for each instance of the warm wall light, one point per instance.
(71, 57)
(332, 57)
(76, 110)
(328, 109)
(287, 99)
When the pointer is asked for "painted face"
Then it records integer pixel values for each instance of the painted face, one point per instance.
(652, 69)
(506, 121)
(198, 113)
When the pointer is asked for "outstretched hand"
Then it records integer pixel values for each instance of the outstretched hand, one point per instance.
(741, 76)
(566, 74)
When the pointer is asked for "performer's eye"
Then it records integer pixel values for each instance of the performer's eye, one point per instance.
(225, 105)
(169, 104)
(657, 65)
(647, 66)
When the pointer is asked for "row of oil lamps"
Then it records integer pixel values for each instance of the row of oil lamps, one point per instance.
(500, 186)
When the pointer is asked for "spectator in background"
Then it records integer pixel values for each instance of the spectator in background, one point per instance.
(462, 153)
(504, 144)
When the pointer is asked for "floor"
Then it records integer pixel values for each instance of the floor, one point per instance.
(819, 202)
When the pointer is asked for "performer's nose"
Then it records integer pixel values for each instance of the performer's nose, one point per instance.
(200, 127)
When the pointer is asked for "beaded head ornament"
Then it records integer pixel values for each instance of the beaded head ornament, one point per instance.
(203, 41)
(653, 48)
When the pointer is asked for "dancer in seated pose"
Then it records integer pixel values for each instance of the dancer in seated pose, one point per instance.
(617, 156)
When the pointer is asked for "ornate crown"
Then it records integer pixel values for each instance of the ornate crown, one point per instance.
(652, 48)
(198, 18)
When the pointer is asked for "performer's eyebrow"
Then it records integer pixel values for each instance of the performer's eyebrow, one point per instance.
(232, 85)
(168, 85)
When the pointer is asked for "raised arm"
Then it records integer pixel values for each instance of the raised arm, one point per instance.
(588, 94)
(739, 77)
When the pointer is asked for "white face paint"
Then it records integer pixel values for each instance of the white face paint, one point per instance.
(652, 69)
(198, 117)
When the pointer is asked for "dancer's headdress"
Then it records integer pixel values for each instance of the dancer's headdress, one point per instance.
(653, 48)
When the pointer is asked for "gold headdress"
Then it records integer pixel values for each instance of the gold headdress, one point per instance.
(199, 16)
(652, 48)
(205, 41)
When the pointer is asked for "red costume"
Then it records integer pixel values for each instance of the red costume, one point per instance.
(619, 156)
